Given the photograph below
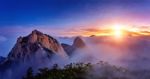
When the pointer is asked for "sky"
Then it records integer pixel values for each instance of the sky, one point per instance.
(66, 17)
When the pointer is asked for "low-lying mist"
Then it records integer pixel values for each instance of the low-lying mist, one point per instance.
(131, 53)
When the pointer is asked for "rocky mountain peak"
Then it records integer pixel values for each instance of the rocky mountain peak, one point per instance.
(78, 42)
(33, 42)
(36, 36)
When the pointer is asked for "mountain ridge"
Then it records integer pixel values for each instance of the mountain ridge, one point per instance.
(25, 46)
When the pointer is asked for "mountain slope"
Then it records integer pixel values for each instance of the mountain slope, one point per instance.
(29, 45)
(37, 50)
(78, 43)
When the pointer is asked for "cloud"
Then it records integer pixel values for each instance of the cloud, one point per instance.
(96, 30)
(17, 31)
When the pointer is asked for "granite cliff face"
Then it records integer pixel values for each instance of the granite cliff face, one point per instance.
(34, 43)
(42, 46)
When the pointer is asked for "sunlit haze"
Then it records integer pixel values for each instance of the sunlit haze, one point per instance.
(69, 18)
(118, 30)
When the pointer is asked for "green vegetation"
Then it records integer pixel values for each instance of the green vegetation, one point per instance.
(71, 71)
(80, 71)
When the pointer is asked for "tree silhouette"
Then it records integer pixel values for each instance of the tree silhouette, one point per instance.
(80, 71)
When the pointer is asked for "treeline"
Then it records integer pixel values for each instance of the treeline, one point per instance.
(100, 70)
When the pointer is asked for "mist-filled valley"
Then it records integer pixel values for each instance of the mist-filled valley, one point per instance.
(94, 57)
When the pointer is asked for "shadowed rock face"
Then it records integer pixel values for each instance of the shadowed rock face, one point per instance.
(68, 48)
(77, 44)
(30, 44)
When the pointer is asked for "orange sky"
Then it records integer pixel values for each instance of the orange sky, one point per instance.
(97, 31)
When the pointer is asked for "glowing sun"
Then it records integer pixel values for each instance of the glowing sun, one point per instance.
(118, 30)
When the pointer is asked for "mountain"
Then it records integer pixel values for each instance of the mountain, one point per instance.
(78, 43)
(32, 44)
(39, 50)
(36, 50)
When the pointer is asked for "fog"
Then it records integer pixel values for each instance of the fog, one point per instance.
(131, 53)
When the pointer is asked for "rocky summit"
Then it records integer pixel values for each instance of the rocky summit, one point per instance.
(32, 43)
(78, 43)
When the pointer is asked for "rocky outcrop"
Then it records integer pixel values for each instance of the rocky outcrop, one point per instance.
(77, 44)
(29, 45)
